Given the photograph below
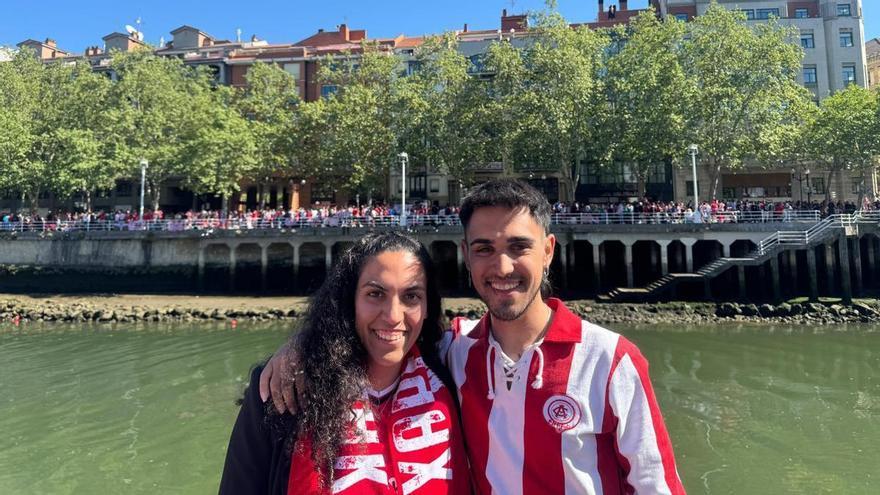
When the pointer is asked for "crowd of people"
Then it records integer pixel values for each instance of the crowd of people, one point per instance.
(376, 214)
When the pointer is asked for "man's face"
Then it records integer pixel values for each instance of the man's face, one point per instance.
(507, 251)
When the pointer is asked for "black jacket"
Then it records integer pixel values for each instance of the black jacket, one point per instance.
(258, 459)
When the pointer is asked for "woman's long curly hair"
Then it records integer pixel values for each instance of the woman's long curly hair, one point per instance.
(331, 355)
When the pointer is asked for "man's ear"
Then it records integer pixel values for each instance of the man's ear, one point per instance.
(464, 252)
(549, 249)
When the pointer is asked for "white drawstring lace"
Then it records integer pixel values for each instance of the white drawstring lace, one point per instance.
(490, 377)
(538, 382)
(510, 371)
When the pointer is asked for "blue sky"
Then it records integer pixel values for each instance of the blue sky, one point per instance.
(77, 24)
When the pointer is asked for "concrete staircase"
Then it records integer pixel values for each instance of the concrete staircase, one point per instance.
(772, 245)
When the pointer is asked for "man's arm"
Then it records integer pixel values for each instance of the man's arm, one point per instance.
(279, 383)
(248, 458)
(643, 446)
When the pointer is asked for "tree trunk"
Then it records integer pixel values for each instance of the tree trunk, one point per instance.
(828, 184)
(155, 193)
(716, 177)
(642, 185)
(224, 205)
(88, 196)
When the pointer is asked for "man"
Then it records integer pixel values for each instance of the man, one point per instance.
(549, 403)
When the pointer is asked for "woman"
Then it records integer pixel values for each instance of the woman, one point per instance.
(380, 415)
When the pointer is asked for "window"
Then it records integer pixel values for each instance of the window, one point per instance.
(689, 188)
(808, 40)
(810, 76)
(657, 174)
(818, 185)
(681, 17)
(123, 189)
(103, 193)
(728, 192)
(849, 74)
(293, 70)
(416, 184)
(434, 185)
(843, 10)
(750, 14)
(801, 13)
(846, 38)
(767, 13)
(857, 184)
(329, 90)
(477, 64)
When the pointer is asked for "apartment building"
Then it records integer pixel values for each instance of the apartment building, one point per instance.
(872, 54)
(831, 33)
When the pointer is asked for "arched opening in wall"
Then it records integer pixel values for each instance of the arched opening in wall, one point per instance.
(646, 262)
(339, 249)
(755, 283)
(725, 287)
(279, 277)
(705, 252)
(217, 274)
(742, 248)
(831, 270)
(444, 254)
(613, 264)
(582, 277)
(868, 247)
(676, 253)
(557, 272)
(312, 269)
(247, 268)
(826, 283)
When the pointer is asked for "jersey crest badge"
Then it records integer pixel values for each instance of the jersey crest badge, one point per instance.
(562, 412)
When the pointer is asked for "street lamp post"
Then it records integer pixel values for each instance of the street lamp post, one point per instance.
(693, 150)
(144, 165)
(809, 187)
(404, 158)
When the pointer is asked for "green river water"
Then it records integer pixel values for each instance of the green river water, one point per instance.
(148, 409)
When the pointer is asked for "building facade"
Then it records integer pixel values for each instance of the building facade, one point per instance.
(872, 54)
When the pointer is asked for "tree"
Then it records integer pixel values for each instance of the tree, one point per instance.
(647, 91)
(23, 112)
(221, 149)
(80, 162)
(440, 110)
(359, 141)
(550, 97)
(743, 86)
(152, 103)
(269, 102)
(844, 135)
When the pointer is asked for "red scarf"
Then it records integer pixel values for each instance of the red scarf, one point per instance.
(409, 444)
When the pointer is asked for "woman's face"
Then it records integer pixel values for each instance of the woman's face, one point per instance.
(390, 308)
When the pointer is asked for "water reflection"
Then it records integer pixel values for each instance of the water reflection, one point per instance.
(148, 409)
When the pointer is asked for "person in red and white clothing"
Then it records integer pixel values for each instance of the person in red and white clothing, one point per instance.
(549, 403)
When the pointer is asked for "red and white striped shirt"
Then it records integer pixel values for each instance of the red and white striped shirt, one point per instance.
(580, 416)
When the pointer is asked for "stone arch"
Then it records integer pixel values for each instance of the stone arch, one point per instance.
(646, 262)
(613, 266)
(279, 272)
(706, 251)
(312, 267)
(676, 253)
(217, 275)
(445, 256)
(248, 263)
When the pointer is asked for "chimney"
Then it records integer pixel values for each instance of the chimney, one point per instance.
(504, 13)
(50, 42)
(623, 5)
(343, 30)
(465, 28)
(320, 30)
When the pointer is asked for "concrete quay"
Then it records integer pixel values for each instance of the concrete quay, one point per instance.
(590, 259)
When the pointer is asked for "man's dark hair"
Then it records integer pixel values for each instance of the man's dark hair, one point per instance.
(509, 193)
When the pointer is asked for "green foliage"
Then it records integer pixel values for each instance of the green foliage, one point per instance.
(844, 133)
(744, 87)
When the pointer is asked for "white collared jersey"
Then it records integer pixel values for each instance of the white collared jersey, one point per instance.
(579, 415)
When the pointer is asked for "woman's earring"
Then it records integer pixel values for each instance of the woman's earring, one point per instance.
(470, 281)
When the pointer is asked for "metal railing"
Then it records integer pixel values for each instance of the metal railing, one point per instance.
(594, 218)
(817, 231)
